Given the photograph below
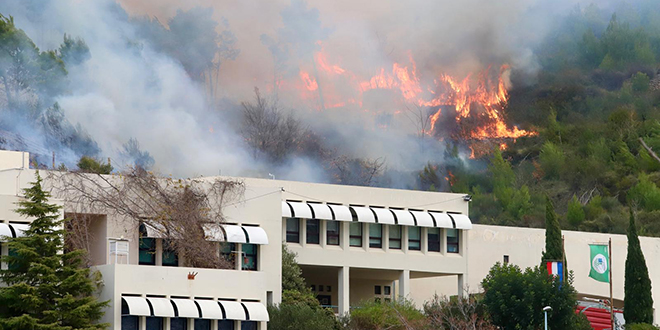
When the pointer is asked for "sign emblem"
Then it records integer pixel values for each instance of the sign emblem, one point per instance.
(599, 263)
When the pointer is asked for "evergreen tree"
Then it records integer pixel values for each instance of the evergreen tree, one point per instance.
(553, 242)
(46, 287)
(637, 301)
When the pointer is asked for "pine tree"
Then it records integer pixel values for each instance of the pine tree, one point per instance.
(638, 301)
(46, 287)
(553, 242)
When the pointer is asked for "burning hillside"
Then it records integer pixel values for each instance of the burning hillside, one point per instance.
(471, 108)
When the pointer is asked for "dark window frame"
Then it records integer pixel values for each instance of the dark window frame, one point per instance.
(222, 325)
(395, 239)
(228, 251)
(154, 323)
(291, 235)
(248, 256)
(453, 242)
(433, 245)
(313, 236)
(332, 237)
(147, 247)
(182, 319)
(359, 225)
(415, 244)
(376, 242)
(167, 250)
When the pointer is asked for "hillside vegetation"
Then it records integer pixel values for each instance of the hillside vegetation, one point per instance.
(594, 103)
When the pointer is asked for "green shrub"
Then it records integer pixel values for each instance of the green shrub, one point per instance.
(300, 317)
(396, 315)
(641, 326)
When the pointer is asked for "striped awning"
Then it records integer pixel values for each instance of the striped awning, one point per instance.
(376, 214)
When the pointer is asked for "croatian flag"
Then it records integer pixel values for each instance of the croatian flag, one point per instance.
(556, 268)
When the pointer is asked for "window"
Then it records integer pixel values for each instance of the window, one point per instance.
(128, 322)
(414, 238)
(154, 323)
(452, 240)
(293, 230)
(170, 258)
(202, 324)
(313, 230)
(320, 288)
(387, 290)
(250, 256)
(395, 237)
(356, 234)
(147, 251)
(434, 239)
(178, 324)
(248, 325)
(226, 324)
(333, 230)
(506, 259)
(228, 251)
(375, 235)
(313, 287)
(377, 289)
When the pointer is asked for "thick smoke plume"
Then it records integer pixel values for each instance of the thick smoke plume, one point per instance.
(172, 75)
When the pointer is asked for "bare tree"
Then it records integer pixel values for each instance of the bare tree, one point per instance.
(175, 209)
(357, 171)
(457, 313)
(268, 131)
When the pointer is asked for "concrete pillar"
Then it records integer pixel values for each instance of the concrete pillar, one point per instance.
(461, 285)
(404, 283)
(343, 290)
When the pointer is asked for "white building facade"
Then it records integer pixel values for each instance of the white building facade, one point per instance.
(353, 244)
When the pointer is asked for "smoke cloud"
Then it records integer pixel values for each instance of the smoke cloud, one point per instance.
(135, 84)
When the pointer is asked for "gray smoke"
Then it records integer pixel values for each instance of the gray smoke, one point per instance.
(138, 84)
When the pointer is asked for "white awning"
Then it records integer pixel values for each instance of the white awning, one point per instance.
(442, 220)
(186, 308)
(301, 210)
(19, 229)
(384, 215)
(256, 311)
(364, 214)
(5, 232)
(321, 211)
(213, 232)
(235, 234)
(424, 219)
(286, 210)
(404, 217)
(162, 307)
(462, 221)
(342, 212)
(210, 309)
(256, 235)
(155, 230)
(137, 306)
(233, 310)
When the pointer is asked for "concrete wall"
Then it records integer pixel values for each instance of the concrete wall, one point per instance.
(488, 244)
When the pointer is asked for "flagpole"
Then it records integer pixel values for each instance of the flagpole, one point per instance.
(609, 250)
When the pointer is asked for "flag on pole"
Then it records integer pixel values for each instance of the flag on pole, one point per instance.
(556, 268)
(600, 264)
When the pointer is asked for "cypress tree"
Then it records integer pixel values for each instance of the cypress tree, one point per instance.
(46, 287)
(638, 302)
(553, 244)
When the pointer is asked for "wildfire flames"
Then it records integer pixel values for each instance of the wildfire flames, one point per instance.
(475, 102)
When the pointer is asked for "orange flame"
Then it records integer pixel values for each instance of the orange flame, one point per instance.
(483, 98)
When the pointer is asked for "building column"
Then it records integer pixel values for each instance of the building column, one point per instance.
(404, 283)
(343, 290)
(461, 285)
